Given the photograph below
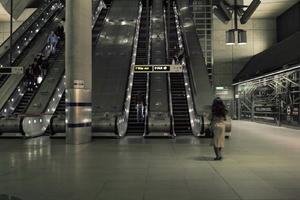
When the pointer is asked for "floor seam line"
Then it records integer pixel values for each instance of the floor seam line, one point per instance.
(235, 192)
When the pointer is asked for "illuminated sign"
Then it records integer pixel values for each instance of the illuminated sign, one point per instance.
(11, 70)
(157, 69)
(142, 68)
(220, 88)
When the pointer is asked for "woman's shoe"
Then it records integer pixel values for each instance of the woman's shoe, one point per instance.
(218, 158)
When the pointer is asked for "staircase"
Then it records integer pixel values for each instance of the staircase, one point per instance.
(140, 79)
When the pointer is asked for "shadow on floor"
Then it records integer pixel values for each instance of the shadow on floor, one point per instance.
(203, 158)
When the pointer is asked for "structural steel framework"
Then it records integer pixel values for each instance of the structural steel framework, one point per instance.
(203, 19)
(274, 98)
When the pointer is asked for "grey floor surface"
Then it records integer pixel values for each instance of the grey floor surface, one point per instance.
(261, 162)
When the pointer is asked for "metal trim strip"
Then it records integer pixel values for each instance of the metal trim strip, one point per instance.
(78, 125)
(74, 104)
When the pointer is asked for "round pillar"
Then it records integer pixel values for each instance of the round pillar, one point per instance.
(78, 71)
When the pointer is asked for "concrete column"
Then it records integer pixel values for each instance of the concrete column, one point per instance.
(78, 71)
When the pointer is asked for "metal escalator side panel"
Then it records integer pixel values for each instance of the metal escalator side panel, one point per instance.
(201, 87)
(111, 60)
(159, 117)
(125, 121)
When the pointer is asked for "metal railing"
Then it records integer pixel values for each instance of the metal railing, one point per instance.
(196, 121)
(148, 77)
(97, 12)
(169, 78)
(122, 121)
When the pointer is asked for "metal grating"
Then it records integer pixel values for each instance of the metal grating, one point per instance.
(203, 19)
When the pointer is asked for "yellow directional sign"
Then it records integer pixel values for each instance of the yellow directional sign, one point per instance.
(158, 69)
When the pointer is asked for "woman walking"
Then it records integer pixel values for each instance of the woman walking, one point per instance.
(218, 126)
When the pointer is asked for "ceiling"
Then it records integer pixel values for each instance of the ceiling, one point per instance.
(271, 8)
(5, 16)
(267, 8)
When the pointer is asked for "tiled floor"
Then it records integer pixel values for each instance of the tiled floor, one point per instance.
(261, 163)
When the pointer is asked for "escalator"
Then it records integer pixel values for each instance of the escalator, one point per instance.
(22, 45)
(33, 43)
(29, 95)
(61, 108)
(182, 125)
(139, 85)
(22, 106)
(36, 104)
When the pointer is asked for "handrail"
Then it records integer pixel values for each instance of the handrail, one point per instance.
(5, 46)
(148, 77)
(187, 50)
(169, 78)
(122, 121)
(97, 12)
(196, 121)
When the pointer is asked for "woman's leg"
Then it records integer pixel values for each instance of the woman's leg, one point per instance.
(216, 149)
(220, 153)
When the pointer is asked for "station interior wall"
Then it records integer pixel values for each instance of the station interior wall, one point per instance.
(229, 60)
(288, 22)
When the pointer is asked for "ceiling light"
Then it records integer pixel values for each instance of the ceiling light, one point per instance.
(230, 37)
(242, 37)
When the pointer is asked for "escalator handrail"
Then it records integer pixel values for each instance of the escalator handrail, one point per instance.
(172, 129)
(122, 121)
(97, 12)
(148, 77)
(195, 119)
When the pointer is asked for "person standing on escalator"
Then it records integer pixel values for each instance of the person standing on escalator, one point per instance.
(140, 107)
(218, 118)
(52, 41)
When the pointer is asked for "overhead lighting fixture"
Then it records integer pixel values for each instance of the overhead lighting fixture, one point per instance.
(224, 12)
(242, 37)
(230, 37)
